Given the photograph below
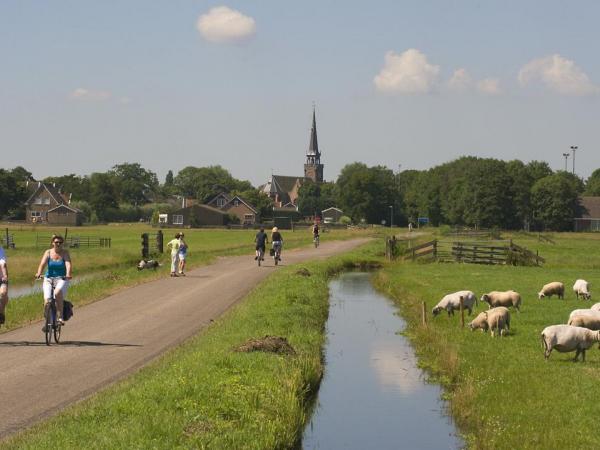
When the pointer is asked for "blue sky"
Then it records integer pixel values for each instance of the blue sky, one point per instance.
(85, 85)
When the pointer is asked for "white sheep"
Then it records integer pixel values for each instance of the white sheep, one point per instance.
(582, 287)
(595, 307)
(566, 338)
(591, 322)
(554, 288)
(451, 302)
(583, 312)
(506, 299)
(494, 319)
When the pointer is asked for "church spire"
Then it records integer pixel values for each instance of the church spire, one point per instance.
(313, 168)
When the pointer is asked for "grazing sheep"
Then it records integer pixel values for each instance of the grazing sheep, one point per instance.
(554, 288)
(582, 287)
(566, 338)
(589, 321)
(149, 264)
(495, 319)
(507, 299)
(451, 302)
(595, 307)
(583, 312)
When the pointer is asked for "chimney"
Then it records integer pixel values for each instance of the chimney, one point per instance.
(70, 195)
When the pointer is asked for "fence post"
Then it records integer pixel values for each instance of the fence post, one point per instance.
(424, 313)
(462, 312)
(66, 233)
(160, 241)
(435, 241)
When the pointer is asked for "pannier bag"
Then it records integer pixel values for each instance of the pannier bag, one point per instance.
(67, 310)
(272, 251)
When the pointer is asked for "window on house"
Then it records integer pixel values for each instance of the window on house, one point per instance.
(248, 218)
(177, 219)
(46, 201)
(236, 202)
(38, 201)
(36, 214)
(220, 202)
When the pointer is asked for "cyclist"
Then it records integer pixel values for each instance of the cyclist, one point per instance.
(315, 232)
(261, 240)
(174, 244)
(277, 241)
(57, 276)
(183, 247)
(3, 285)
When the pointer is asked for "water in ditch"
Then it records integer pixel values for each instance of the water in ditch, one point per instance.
(373, 395)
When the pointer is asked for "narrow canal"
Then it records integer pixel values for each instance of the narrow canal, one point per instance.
(373, 395)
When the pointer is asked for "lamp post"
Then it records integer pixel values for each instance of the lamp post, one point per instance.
(566, 155)
(391, 216)
(574, 147)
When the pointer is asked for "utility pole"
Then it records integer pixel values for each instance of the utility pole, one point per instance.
(391, 216)
(566, 155)
(574, 147)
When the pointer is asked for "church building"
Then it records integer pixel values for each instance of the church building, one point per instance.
(284, 189)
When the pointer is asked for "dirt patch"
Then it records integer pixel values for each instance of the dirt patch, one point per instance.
(272, 344)
(303, 271)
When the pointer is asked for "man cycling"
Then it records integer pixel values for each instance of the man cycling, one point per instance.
(277, 241)
(3, 285)
(261, 242)
(315, 232)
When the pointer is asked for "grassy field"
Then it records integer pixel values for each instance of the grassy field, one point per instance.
(109, 270)
(204, 394)
(502, 393)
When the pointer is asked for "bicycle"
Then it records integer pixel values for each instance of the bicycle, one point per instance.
(316, 240)
(261, 255)
(52, 327)
(277, 253)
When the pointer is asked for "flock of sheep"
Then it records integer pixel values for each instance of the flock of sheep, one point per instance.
(580, 333)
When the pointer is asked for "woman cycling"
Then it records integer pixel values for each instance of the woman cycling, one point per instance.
(277, 241)
(58, 273)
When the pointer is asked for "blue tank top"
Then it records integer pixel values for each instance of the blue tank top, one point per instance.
(56, 268)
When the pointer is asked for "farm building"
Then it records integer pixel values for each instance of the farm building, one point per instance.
(47, 204)
(197, 216)
(589, 219)
(332, 215)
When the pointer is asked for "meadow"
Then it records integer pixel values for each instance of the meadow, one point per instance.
(205, 394)
(501, 391)
(98, 272)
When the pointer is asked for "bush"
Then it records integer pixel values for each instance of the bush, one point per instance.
(345, 220)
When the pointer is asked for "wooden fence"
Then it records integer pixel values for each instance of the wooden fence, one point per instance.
(475, 252)
(7, 240)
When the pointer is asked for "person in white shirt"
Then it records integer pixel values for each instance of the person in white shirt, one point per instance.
(3, 285)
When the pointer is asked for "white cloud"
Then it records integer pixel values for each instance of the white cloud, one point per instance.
(460, 81)
(489, 86)
(558, 74)
(89, 95)
(223, 24)
(407, 73)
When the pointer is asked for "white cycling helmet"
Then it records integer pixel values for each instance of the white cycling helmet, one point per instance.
(275, 229)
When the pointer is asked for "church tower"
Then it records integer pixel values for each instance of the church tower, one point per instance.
(313, 168)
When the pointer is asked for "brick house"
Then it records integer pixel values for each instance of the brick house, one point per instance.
(197, 216)
(47, 204)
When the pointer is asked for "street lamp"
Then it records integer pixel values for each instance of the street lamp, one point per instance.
(391, 216)
(574, 147)
(566, 155)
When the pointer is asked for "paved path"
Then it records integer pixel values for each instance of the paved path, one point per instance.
(37, 381)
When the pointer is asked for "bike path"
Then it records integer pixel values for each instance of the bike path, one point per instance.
(111, 338)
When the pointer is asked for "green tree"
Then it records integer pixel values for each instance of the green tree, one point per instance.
(134, 184)
(555, 202)
(103, 195)
(12, 193)
(204, 183)
(592, 185)
(73, 184)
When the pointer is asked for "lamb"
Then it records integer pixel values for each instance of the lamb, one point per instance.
(451, 302)
(554, 288)
(495, 319)
(582, 287)
(507, 299)
(589, 321)
(566, 338)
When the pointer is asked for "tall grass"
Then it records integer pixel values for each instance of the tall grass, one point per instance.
(204, 394)
(502, 393)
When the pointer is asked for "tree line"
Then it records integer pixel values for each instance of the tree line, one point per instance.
(469, 191)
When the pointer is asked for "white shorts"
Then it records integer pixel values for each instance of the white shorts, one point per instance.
(181, 256)
(59, 283)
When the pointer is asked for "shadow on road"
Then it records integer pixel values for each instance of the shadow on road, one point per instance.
(66, 344)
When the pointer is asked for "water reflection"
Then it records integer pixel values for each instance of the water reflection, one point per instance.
(372, 395)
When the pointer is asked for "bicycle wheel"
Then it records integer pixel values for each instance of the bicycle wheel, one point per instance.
(57, 330)
(48, 325)
(260, 255)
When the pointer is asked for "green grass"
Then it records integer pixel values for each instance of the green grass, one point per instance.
(113, 269)
(502, 393)
(206, 395)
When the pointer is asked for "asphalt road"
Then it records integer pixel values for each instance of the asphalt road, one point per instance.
(107, 340)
